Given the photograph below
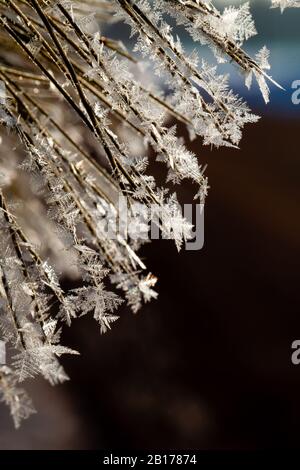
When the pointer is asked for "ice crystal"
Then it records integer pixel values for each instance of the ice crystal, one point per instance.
(283, 4)
(82, 117)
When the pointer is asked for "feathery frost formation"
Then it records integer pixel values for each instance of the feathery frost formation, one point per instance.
(79, 116)
(283, 4)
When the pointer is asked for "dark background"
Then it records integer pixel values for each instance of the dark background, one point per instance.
(208, 365)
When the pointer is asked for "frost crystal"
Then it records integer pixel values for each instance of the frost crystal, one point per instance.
(83, 120)
(283, 4)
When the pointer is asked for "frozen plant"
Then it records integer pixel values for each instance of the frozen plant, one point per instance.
(78, 118)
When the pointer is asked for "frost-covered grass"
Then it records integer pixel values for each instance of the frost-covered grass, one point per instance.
(81, 118)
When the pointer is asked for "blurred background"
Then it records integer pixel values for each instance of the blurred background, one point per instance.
(208, 365)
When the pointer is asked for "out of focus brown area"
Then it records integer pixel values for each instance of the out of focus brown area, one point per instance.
(208, 365)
